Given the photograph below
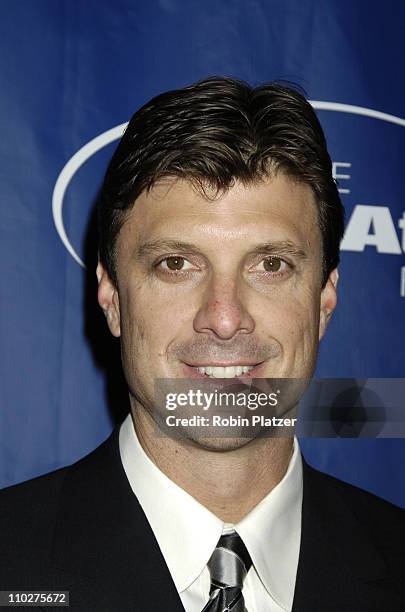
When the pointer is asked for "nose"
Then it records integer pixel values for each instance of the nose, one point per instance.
(222, 311)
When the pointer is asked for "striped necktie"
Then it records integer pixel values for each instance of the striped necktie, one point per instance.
(228, 565)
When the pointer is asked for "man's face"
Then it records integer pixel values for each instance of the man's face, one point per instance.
(231, 282)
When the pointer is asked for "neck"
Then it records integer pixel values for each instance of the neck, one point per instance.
(230, 483)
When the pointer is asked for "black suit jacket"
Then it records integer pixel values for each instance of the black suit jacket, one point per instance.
(81, 529)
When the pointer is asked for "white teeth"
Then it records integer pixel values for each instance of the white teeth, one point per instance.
(228, 372)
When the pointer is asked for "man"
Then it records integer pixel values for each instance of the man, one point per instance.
(220, 226)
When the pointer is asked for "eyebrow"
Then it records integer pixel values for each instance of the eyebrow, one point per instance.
(155, 247)
(281, 247)
(277, 247)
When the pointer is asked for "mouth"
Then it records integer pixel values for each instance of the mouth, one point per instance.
(224, 371)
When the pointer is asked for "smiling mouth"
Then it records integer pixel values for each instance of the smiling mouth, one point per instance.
(224, 372)
(216, 371)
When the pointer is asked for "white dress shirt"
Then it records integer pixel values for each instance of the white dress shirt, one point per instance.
(187, 532)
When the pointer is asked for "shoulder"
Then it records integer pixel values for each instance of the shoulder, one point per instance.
(40, 492)
(27, 517)
(22, 503)
(356, 497)
(29, 510)
(382, 521)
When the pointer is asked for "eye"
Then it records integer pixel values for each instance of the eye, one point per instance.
(272, 264)
(175, 264)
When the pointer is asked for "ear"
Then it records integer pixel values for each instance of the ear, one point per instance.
(108, 299)
(328, 301)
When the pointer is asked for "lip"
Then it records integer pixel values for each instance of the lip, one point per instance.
(191, 371)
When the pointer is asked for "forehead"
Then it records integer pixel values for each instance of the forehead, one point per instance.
(276, 208)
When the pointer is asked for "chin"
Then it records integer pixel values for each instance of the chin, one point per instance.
(220, 444)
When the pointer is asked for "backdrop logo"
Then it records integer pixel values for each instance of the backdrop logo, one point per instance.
(67, 174)
(357, 235)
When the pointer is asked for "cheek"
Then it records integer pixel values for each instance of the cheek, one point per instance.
(293, 320)
(151, 322)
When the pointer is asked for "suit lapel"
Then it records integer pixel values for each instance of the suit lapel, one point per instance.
(339, 568)
(104, 548)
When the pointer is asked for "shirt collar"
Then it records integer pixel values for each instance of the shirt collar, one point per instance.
(271, 531)
(179, 522)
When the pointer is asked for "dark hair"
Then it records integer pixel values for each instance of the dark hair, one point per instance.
(215, 132)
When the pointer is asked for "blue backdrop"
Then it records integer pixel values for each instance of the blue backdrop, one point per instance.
(72, 73)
